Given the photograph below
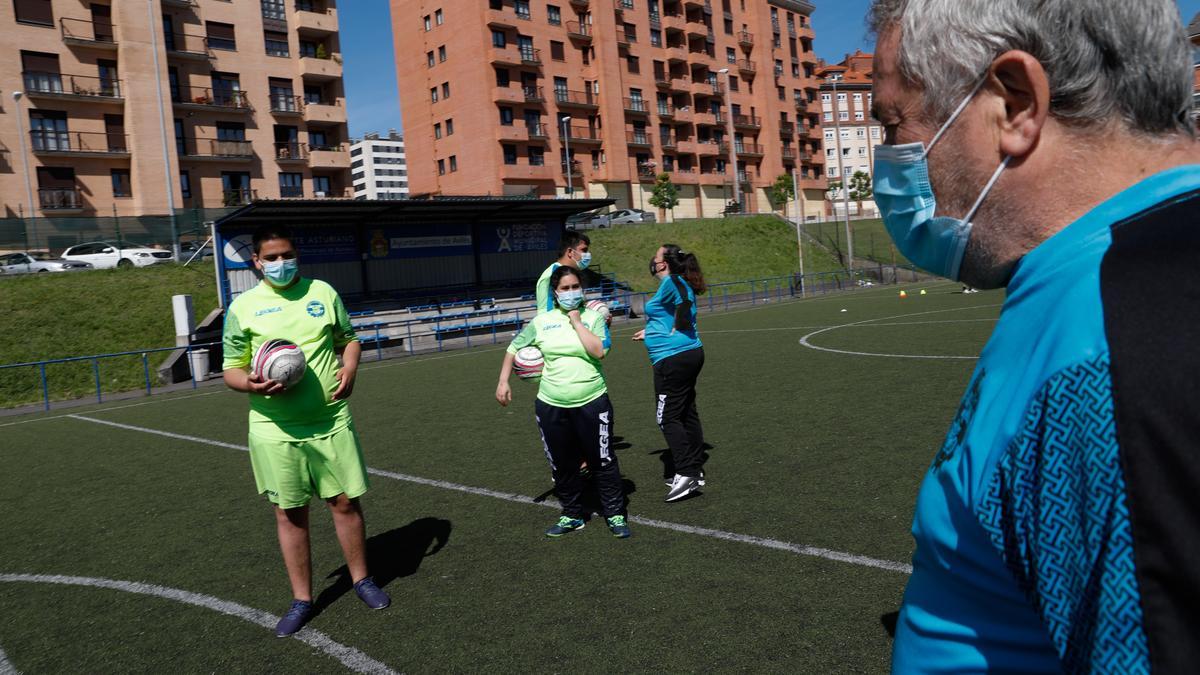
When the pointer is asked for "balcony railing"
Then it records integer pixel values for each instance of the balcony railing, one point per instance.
(667, 140)
(291, 151)
(665, 110)
(745, 176)
(578, 98)
(531, 56)
(583, 134)
(212, 98)
(786, 129)
(51, 141)
(745, 38)
(212, 147)
(749, 121)
(326, 147)
(625, 39)
(787, 153)
(636, 105)
(287, 103)
(239, 197)
(57, 84)
(82, 31)
(291, 191)
(537, 130)
(575, 170)
(711, 147)
(60, 199)
(533, 94)
(579, 30)
(748, 148)
(746, 66)
(184, 44)
(637, 138)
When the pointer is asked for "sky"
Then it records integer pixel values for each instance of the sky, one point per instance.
(370, 72)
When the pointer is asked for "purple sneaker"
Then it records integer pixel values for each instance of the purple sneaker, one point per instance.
(297, 615)
(372, 595)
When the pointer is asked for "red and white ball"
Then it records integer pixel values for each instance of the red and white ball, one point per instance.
(279, 360)
(601, 308)
(528, 363)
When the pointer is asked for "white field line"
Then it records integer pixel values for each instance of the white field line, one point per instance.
(522, 499)
(804, 341)
(348, 656)
(6, 666)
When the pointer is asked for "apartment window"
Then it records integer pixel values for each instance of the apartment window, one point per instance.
(858, 116)
(41, 72)
(121, 185)
(34, 11)
(556, 51)
(841, 98)
(441, 164)
(733, 83)
(453, 163)
(428, 59)
(185, 185)
(828, 117)
(829, 152)
(510, 154)
(731, 54)
(499, 41)
(826, 98)
(875, 133)
(522, 7)
(729, 26)
(321, 186)
(231, 131)
(318, 141)
(633, 64)
(829, 135)
(439, 17)
(845, 133)
(274, 9)
(536, 156)
(843, 116)
(428, 24)
(445, 90)
(553, 15)
(291, 185)
(862, 152)
(502, 77)
(220, 35)
(656, 38)
(308, 48)
(314, 94)
(495, 4)
(506, 116)
(433, 94)
(781, 93)
(442, 53)
(437, 130)
(449, 127)
(276, 43)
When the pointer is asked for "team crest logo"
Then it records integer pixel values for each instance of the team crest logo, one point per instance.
(316, 309)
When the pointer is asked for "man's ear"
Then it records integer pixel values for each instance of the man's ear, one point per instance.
(1020, 82)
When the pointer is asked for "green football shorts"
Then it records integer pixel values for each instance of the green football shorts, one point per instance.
(290, 472)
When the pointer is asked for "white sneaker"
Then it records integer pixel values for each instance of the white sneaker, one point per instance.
(682, 487)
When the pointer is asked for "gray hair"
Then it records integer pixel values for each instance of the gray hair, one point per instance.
(1106, 60)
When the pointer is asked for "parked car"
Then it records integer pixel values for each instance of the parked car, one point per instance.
(587, 220)
(105, 254)
(627, 216)
(25, 262)
(188, 248)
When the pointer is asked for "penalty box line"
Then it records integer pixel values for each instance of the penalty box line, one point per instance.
(799, 549)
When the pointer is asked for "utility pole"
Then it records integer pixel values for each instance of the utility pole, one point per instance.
(799, 222)
(837, 118)
(24, 161)
(155, 26)
(566, 134)
(737, 185)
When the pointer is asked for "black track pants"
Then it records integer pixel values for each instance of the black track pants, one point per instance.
(572, 434)
(675, 395)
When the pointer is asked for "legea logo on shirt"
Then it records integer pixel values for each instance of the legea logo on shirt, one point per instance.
(316, 309)
(552, 326)
(268, 310)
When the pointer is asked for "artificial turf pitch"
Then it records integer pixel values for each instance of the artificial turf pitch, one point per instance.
(821, 449)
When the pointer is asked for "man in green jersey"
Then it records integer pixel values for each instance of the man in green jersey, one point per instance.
(572, 252)
(302, 439)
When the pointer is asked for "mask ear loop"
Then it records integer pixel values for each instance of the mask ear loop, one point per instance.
(987, 188)
(957, 111)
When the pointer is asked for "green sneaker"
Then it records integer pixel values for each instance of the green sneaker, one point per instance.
(619, 527)
(564, 525)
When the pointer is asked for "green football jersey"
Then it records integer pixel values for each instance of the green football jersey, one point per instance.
(311, 314)
(571, 377)
(545, 301)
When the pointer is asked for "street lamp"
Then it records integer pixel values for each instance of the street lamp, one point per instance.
(24, 160)
(565, 120)
(737, 186)
(837, 117)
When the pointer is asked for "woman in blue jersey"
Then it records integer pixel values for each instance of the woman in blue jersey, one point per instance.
(677, 356)
(573, 411)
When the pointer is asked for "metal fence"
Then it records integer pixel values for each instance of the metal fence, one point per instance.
(56, 234)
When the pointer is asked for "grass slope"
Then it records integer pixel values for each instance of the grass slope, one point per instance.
(729, 250)
(871, 240)
(53, 316)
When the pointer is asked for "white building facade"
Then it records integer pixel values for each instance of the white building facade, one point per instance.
(850, 133)
(377, 167)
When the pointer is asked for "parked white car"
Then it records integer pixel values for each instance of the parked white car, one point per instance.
(106, 254)
(630, 216)
(24, 262)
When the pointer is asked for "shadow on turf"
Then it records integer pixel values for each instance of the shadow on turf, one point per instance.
(889, 621)
(591, 499)
(391, 555)
(668, 462)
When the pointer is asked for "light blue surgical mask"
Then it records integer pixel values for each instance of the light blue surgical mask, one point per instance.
(280, 273)
(569, 300)
(905, 198)
(585, 259)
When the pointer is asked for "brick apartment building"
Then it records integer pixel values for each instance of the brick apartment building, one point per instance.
(846, 110)
(646, 86)
(127, 108)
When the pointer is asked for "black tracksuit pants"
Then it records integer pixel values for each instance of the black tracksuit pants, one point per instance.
(572, 434)
(675, 393)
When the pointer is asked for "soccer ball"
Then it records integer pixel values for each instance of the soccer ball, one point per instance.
(279, 360)
(528, 363)
(601, 307)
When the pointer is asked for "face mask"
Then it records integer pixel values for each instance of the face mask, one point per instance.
(905, 198)
(280, 272)
(654, 267)
(569, 300)
(585, 259)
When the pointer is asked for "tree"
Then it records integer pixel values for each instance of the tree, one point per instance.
(860, 188)
(782, 191)
(665, 194)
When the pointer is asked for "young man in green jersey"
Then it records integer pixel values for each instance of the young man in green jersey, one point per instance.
(572, 252)
(302, 439)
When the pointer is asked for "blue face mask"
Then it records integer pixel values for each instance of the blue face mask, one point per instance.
(280, 273)
(585, 259)
(905, 198)
(569, 300)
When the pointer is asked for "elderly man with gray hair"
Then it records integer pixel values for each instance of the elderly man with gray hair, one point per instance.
(1046, 147)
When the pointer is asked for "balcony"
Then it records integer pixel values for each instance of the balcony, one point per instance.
(533, 95)
(674, 22)
(575, 170)
(84, 33)
(804, 156)
(185, 46)
(681, 85)
(662, 81)
(579, 4)
(745, 39)
(711, 148)
(524, 172)
(316, 68)
(801, 105)
(696, 29)
(579, 31)
(214, 150)
(667, 141)
(328, 156)
(686, 147)
(57, 86)
(317, 22)
(184, 4)
(746, 67)
(576, 99)
(684, 176)
(707, 119)
(501, 19)
(665, 110)
(647, 174)
(513, 133)
(537, 131)
(79, 144)
(291, 152)
(683, 115)
(707, 89)
(747, 122)
(636, 106)
(584, 136)
(748, 149)
(713, 177)
(325, 111)
(677, 54)
(240, 197)
(516, 56)
(746, 176)
(787, 154)
(60, 200)
(208, 99)
(804, 132)
(638, 138)
(287, 105)
(787, 130)
(625, 39)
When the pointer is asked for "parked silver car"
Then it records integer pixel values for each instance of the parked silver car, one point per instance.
(587, 220)
(25, 262)
(628, 216)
